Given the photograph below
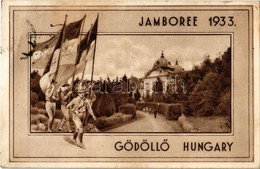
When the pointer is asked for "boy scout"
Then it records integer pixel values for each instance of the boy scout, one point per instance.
(50, 106)
(64, 95)
(78, 106)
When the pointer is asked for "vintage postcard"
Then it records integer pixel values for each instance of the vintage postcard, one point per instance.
(130, 85)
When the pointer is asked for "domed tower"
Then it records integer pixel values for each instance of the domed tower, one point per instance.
(162, 62)
(177, 68)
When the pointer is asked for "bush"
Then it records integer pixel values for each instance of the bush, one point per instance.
(34, 98)
(40, 105)
(106, 106)
(170, 111)
(41, 126)
(161, 108)
(202, 99)
(34, 110)
(128, 109)
(42, 111)
(158, 97)
(144, 105)
(115, 119)
(120, 99)
(39, 118)
(34, 127)
(174, 111)
(224, 105)
(35, 86)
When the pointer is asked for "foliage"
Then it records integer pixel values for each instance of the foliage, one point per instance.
(174, 111)
(158, 97)
(128, 109)
(40, 105)
(106, 106)
(170, 111)
(116, 119)
(35, 86)
(209, 86)
(34, 98)
(203, 98)
(224, 101)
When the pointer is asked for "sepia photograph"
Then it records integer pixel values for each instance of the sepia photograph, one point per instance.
(130, 85)
(134, 82)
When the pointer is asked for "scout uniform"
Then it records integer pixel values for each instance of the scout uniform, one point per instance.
(78, 106)
(65, 95)
(50, 106)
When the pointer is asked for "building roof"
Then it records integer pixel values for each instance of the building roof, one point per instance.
(164, 64)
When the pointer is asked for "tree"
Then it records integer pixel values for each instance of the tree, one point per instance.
(203, 98)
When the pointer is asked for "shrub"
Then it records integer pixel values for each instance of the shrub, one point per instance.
(144, 105)
(106, 106)
(158, 97)
(115, 119)
(161, 108)
(34, 98)
(34, 127)
(128, 109)
(174, 111)
(35, 86)
(34, 110)
(42, 111)
(40, 105)
(224, 105)
(120, 99)
(202, 99)
(39, 118)
(41, 126)
(170, 111)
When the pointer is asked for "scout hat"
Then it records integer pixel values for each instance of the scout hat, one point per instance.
(65, 86)
(83, 87)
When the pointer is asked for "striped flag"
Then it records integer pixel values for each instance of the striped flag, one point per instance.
(63, 57)
(42, 52)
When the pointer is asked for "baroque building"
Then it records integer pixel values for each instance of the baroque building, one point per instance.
(163, 71)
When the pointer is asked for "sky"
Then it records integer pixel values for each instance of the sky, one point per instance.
(134, 55)
(117, 55)
(118, 52)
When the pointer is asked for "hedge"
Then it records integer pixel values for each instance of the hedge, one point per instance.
(106, 106)
(128, 109)
(174, 111)
(114, 120)
(171, 111)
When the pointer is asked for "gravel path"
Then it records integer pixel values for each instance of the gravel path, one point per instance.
(147, 123)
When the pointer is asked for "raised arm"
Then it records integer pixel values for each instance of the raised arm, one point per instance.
(49, 91)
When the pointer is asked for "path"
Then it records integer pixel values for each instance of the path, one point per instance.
(147, 123)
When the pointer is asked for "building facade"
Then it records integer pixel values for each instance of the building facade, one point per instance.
(162, 75)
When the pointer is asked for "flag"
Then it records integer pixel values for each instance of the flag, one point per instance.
(72, 31)
(66, 65)
(42, 52)
(87, 40)
(64, 54)
(69, 53)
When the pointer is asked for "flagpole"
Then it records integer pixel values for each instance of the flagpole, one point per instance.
(62, 39)
(90, 31)
(74, 68)
(94, 54)
(93, 62)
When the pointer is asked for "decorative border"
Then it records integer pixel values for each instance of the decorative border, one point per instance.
(250, 96)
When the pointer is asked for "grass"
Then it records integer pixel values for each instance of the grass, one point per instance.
(210, 124)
